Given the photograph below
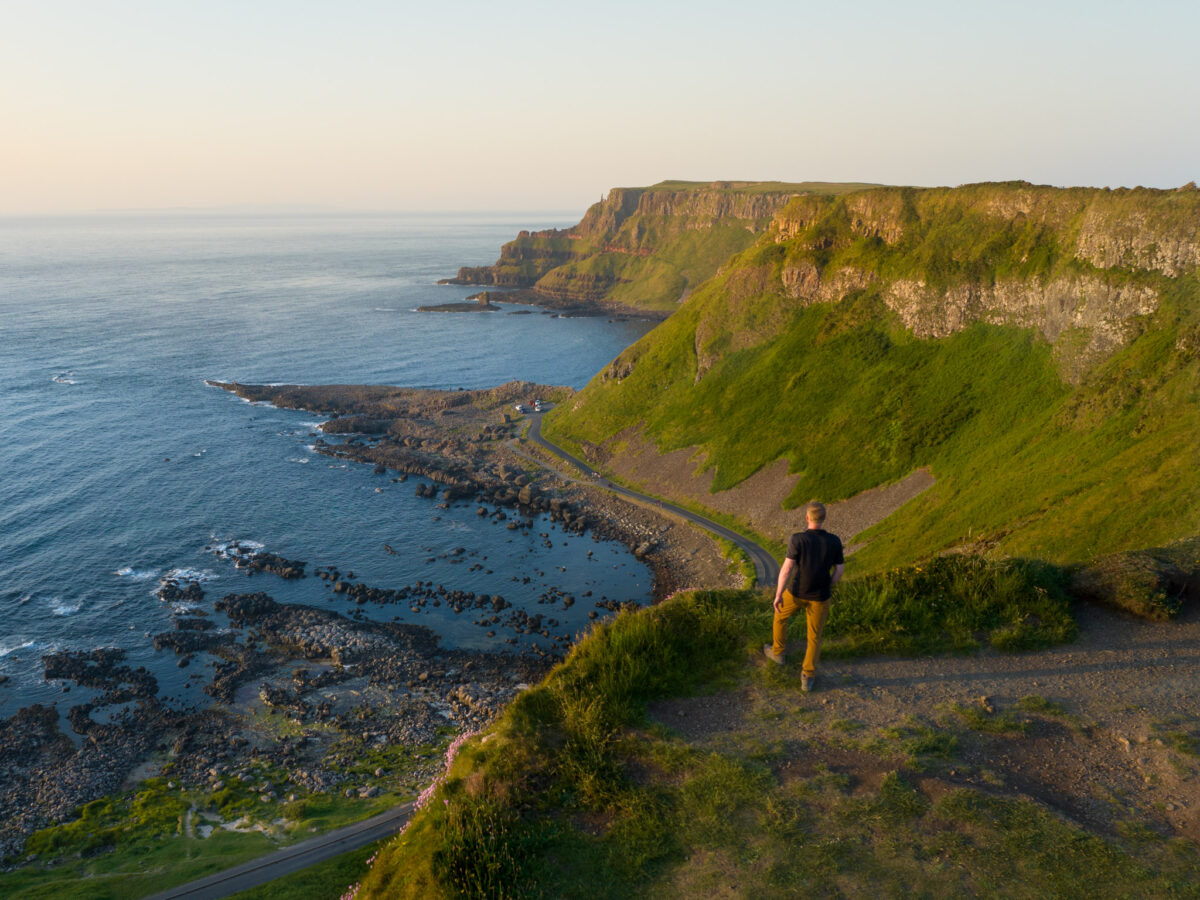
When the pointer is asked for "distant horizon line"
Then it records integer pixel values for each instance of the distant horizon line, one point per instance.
(251, 209)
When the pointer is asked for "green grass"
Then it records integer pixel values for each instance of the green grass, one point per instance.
(134, 869)
(949, 604)
(1180, 734)
(570, 795)
(737, 560)
(134, 843)
(996, 722)
(1027, 461)
(922, 743)
(324, 881)
(1037, 704)
(1147, 583)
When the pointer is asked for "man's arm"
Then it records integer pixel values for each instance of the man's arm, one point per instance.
(785, 575)
(838, 571)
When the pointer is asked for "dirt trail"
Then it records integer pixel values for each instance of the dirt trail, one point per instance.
(760, 498)
(1124, 745)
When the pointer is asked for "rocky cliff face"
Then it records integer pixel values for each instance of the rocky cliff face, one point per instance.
(1127, 228)
(698, 209)
(1054, 260)
(619, 239)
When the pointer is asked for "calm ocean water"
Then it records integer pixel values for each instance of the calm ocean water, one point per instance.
(118, 465)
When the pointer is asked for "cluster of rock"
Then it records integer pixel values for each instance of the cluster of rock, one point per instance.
(44, 775)
(253, 558)
(273, 563)
(176, 590)
(404, 430)
(417, 688)
(420, 689)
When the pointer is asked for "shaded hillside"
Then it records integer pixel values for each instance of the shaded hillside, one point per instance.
(1037, 348)
(644, 247)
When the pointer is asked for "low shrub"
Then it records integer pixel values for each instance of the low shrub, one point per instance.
(1151, 584)
(950, 604)
(487, 851)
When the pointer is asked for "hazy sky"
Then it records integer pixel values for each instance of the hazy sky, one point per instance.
(451, 104)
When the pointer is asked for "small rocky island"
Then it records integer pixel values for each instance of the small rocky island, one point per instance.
(475, 303)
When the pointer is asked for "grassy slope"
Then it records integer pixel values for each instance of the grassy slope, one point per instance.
(658, 280)
(574, 794)
(1023, 460)
(135, 843)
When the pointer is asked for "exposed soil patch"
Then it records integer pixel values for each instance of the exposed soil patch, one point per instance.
(759, 499)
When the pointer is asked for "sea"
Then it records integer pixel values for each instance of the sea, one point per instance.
(120, 467)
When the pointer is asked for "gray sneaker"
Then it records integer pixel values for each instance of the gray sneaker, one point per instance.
(772, 655)
(807, 682)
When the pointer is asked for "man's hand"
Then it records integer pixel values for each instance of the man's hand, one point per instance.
(785, 574)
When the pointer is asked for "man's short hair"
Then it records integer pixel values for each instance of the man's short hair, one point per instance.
(815, 512)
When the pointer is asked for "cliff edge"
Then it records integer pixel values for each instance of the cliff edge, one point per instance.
(642, 248)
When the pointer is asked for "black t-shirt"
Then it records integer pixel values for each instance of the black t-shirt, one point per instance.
(816, 552)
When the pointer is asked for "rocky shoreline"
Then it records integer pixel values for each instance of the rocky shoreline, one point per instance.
(345, 686)
(563, 306)
(481, 304)
(461, 442)
(339, 683)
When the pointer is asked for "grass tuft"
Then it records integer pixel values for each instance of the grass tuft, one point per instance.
(950, 604)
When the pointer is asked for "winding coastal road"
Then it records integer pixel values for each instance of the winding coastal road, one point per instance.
(291, 859)
(343, 840)
(766, 569)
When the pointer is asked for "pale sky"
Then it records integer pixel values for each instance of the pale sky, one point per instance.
(524, 105)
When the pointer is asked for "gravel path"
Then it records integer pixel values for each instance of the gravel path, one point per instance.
(1124, 745)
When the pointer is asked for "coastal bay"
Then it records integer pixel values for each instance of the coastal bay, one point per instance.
(124, 566)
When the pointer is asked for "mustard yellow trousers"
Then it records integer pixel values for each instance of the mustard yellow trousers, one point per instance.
(815, 613)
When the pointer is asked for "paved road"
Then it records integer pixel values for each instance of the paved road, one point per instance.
(326, 846)
(291, 859)
(766, 570)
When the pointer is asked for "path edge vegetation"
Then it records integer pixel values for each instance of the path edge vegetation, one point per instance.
(576, 792)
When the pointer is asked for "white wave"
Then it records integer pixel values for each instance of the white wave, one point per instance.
(63, 378)
(59, 607)
(184, 574)
(385, 309)
(136, 574)
(6, 649)
(201, 453)
(183, 609)
(237, 545)
(298, 459)
(311, 424)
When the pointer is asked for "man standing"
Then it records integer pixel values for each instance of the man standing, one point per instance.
(813, 566)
